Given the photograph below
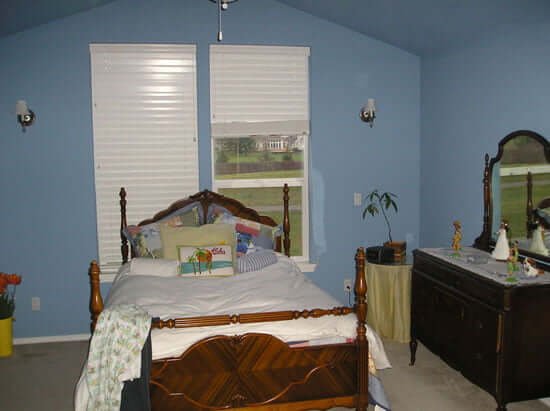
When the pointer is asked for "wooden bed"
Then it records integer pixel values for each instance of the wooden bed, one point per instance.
(254, 371)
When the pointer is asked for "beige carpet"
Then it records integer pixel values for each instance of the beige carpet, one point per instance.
(42, 377)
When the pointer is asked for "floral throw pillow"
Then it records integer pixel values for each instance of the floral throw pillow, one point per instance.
(145, 240)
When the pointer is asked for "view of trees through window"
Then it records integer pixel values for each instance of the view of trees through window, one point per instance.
(253, 170)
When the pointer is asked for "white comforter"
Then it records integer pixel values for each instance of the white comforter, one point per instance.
(278, 287)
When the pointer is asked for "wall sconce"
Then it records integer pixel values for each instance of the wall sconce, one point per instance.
(25, 117)
(368, 112)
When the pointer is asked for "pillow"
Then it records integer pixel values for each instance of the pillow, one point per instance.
(214, 212)
(158, 267)
(205, 235)
(205, 261)
(249, 234)
(256, 261)
(145, 240)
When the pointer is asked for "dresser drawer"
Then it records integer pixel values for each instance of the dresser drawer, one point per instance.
(461, 281)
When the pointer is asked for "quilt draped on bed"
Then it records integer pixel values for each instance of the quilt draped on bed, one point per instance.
(120, 334)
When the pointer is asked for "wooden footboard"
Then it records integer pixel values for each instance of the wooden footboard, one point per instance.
(259, 371)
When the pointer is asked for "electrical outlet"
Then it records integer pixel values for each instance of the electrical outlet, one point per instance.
(348, 285)
(35, 303)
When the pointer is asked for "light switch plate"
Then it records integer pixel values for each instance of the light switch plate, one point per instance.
(357, 199)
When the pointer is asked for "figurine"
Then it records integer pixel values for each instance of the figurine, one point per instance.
(502, 248)
(537, 244)
(457, 237)
(530, 269)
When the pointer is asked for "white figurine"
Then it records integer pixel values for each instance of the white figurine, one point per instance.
(502, 248)
(537, 243)
(530, 269)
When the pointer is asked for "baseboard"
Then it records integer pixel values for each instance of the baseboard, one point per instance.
(50, 339)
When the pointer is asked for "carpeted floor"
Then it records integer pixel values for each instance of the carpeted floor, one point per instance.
(42, 377)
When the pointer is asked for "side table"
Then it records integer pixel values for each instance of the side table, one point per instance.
(389, 300)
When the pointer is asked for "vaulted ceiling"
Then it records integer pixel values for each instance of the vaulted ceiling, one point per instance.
(421, 27)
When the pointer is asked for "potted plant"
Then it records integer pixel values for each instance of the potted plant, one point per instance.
(381, 203)
(7, 308)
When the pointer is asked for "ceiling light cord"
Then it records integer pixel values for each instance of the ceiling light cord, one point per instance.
(222, 6)
(220, 34)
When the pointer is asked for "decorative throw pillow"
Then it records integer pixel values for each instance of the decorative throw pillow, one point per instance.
(256, 261)
(249, 234)
(205, 261)
(158, 267)
(209, 234)
(145, 239)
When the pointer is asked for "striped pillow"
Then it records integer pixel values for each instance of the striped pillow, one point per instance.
(256, 261)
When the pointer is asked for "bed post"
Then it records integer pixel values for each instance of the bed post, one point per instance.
(286, 222)
(96, 301)
(362, 343)
(123, 224)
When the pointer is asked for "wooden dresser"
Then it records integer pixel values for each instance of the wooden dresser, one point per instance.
(496, 334)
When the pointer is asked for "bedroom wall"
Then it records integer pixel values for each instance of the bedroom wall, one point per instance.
(472, 98)
(48, 205)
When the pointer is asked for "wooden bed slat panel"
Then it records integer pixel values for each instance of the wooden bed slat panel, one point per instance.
(253, 370)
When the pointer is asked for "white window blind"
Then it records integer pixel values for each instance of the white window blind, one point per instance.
(145, 133)
(259, 103)
(259, 90)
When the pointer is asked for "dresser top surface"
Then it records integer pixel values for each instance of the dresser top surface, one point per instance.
(482, 264)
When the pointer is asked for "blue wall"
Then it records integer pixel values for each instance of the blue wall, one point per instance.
(471, 99)
(48, 204)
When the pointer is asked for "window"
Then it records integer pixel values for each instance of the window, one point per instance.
(259, 98)
(145, 133)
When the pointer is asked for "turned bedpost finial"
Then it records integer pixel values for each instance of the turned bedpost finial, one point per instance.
(362, 343)
(123, 225)
(286, 221)
(96, 301)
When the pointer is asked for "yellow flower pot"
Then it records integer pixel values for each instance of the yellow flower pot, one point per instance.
(6, 337)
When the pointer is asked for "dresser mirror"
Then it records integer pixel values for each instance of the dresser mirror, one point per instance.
(516, 190)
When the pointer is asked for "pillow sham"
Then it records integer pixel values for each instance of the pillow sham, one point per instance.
(208, 234)
(146, 241)
(158, 267)
(249, 234)
(256, 261)
(205, 261)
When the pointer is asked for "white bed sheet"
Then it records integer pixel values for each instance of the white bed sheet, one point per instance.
(278, 287)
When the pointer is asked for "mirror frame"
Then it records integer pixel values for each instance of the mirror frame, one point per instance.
(485, 240)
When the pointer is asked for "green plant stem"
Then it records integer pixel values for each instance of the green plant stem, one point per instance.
(387, 223)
